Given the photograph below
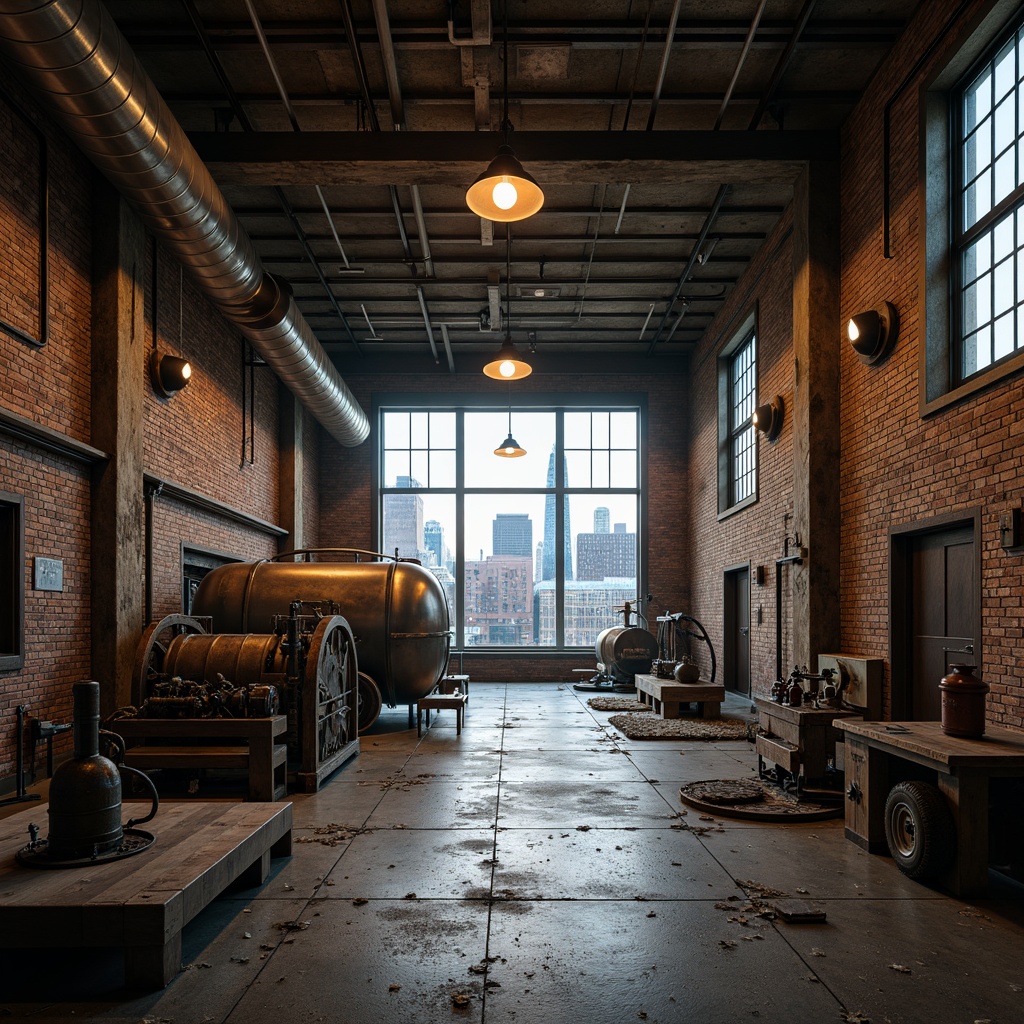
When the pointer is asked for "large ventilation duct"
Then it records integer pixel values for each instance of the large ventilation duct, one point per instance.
(72, 54)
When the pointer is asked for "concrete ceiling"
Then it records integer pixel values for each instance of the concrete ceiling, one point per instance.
(347, 152)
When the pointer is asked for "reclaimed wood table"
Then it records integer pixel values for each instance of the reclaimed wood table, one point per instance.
(962, 767)
(665, 696)
(140, 903)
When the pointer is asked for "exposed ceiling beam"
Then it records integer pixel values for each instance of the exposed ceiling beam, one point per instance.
(568, 158)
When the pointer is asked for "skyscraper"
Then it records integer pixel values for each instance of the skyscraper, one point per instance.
(512, 534)
(602, 520)
(549, 525)
(403, 521)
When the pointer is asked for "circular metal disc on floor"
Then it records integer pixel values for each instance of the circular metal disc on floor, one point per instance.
(134, 840)
(752, 800)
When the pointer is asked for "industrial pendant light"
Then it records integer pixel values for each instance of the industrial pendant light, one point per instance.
(505, 192)
(507, 363)
(510, 447)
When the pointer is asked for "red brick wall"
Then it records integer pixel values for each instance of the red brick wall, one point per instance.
(898, 468)
(754, 534)
(50, 385)
(346, 491)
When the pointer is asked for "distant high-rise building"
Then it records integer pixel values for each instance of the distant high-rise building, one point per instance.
(403, 521)
(549, 525)
(602, 517)
(433, 541)
(512, 534)
(538, 563)
(499, 601)
(606, 555)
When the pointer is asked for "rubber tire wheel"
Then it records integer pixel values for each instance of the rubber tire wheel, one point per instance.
(919, 829)
(370, 702)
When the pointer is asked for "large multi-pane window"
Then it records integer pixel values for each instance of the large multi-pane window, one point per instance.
(742, 449)
(988, 224)
(537, 551)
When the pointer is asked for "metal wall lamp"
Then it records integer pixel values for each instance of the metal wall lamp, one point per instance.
(873, 332)
(168, 373)
(768, 418)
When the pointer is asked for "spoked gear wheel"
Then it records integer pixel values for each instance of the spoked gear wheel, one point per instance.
(331, 673)
(919, 829)
(370, 702)
(149, 658)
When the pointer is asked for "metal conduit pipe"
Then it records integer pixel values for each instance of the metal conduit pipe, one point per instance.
(72, 54)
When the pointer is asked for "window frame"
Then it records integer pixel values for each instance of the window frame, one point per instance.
(526, 402)
(12, 580)
(939, 387)
(728, 505)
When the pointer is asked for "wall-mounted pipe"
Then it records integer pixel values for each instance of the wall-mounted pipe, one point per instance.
(72, 54)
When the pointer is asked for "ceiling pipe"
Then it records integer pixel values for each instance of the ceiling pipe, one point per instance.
(72, 54)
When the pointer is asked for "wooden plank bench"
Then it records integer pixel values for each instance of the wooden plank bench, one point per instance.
(666, 696)
(437, 702)
(141, 903)
(454, 684)
(254, 747)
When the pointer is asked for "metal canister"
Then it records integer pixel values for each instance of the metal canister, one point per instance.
(85, 791)
(963, 702)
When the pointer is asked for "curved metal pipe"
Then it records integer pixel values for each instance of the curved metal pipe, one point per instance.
(72, 54)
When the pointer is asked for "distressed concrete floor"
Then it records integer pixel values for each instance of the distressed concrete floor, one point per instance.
(539, 866)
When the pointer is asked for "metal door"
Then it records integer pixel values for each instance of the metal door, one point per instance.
(737, 630)
(944, 614)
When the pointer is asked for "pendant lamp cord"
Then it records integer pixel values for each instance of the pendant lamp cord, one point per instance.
(506, 125)
(508, 281)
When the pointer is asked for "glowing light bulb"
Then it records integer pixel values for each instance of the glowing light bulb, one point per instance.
(504, 194)
(507, 368)
(852, 331)
(186, 371)
(509, 450)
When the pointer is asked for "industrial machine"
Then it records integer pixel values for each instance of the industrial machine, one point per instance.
(622, 652)
(397, 610)
(309, 659)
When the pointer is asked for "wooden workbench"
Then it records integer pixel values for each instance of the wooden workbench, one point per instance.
(962, 768)
(140, 903)
(666, 696)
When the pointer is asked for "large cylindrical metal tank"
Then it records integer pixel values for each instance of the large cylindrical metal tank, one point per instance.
(397, 610)
(623, 651)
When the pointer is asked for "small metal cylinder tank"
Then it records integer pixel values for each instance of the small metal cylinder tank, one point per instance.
(625, 650)
(397, 610)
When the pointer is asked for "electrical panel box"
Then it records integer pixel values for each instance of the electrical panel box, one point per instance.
(863, 679)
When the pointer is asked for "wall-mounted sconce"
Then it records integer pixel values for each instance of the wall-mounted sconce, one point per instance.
(873, 332)
(169, 373)
(768, 418)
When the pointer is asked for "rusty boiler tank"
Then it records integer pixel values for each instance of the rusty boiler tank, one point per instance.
(397, 609)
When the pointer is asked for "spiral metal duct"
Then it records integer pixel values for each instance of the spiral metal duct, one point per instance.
(74, 56)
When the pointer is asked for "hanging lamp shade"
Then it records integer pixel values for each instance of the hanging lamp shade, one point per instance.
(507, 363)
(505, 192)
(509, 448)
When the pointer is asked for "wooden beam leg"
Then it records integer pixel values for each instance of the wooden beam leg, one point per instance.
(711, 709)
(283, 847)
(968, 801)
(152, 967)
(261, 768)
(257, 872)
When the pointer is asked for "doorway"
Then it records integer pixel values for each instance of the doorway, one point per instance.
(736, 630)
(935, 610)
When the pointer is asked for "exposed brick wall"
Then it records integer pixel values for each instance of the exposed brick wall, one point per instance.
(898, 468)
(755, 533)
(314, 438)
(346, 491)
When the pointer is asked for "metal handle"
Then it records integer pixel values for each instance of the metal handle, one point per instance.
(154, 797)
(966, 649)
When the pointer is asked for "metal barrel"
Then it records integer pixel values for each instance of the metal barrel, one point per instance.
(625, 650)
